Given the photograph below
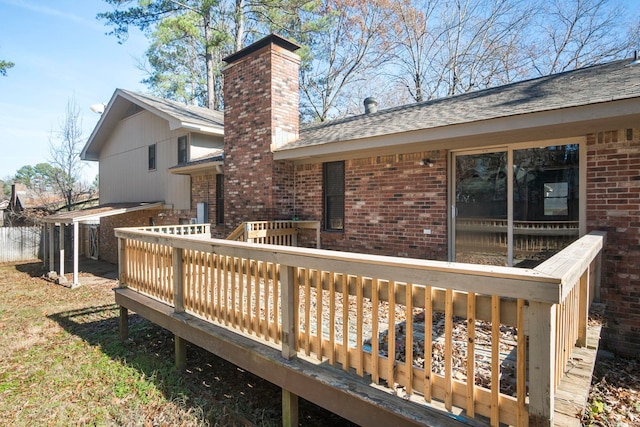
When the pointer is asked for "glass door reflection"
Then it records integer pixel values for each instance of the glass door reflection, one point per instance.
(480, 208)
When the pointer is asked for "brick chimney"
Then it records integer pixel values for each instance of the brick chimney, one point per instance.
(260, 114)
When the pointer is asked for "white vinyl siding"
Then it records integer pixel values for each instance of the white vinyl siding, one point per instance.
(202, 145)
(124, 173)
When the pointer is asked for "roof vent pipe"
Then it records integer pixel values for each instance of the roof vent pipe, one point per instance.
(370, 105)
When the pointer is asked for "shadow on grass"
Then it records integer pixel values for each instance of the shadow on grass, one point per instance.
(33, 269)
(223, 393)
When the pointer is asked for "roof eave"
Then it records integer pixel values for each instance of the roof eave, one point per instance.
(197, 168)
(203, 129)
(566, 122)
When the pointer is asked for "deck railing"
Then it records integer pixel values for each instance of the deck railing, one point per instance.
(497, 339)
(181, 230)
(274, 232)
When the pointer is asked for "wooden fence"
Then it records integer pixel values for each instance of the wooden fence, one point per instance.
(492, 341)
(20, 244)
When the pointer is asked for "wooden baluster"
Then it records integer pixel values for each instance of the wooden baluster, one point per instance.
(391, 337)
(345, 322)
(359, 324)
(428, 342)
(375, 338)
(495, 360)
(409, 338)
(276, 292)
(319, 314)
(307, 313)
(448, 349)
(521, 366)
(332, 318)
(471, 353)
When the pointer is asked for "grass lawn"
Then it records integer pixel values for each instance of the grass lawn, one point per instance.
(62, 364)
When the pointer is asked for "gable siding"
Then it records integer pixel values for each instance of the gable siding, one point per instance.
(124, 173)
(202, 145)
(613, 193)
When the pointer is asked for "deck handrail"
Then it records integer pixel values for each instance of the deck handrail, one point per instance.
(278, 293)
(181, 229)
(280, 232)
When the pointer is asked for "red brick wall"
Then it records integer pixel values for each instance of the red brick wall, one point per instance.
(613, 205)
(389, 201)
(108, 244)
(261, 105)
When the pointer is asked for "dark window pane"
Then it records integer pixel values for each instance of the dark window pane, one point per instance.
(152, 157)
(182, 149)
(219, 199)
(334, 196)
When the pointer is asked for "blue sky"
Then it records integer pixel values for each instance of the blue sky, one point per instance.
(60, 51)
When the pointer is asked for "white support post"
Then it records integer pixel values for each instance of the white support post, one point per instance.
(52, 228)
(61, 246)
(76, 232)
(542, 360)
(45, 252)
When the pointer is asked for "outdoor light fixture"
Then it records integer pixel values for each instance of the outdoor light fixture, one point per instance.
(98, 108)
(426, 162)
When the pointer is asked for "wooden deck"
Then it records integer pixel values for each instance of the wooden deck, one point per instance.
(349, 396)
(320, 324)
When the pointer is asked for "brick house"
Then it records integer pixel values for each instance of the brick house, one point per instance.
(427, 180)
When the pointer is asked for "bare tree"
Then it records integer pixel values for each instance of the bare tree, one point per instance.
(577, 33)
(414, 44)
(65, 147)
(346, 50)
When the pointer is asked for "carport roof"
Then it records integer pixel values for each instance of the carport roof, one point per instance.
(92, 214)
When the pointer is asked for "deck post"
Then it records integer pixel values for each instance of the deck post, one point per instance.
(597, 273)
(76, 252)
(124, 323)
(178, 292)
(52, 228)
(122, 263)
(45, 253)
(289, 409)
(583, 308)
(61, 249)
(181, 352)
(542, 352)
(178, 307)
(287, 285)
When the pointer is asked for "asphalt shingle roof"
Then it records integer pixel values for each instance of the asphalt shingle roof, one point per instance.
(185, 113)
(591, 85)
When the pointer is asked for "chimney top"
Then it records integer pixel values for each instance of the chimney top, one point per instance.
(271, 38)
(370, 105)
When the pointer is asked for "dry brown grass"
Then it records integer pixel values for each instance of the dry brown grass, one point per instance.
(62, 364)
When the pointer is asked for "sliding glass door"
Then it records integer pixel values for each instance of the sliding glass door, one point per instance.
(515, 218)
(480, 208)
